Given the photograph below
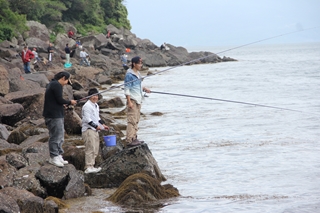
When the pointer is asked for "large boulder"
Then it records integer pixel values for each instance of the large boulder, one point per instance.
(27, 201)
(75, 156)
(72, 122)
(25, 179)
(204, 57)
(8, 53)
(64, 182)
(7, 172)
(114, 102)
(40, 78)
(38, 43)
(16, 160)
(31, 100)
(141, 188)
(8, 204)
(6, 147)
(37, 30)
(11, 113)
(124, 164)
(36, 154)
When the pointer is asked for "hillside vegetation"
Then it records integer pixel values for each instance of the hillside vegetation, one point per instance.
(85, 15)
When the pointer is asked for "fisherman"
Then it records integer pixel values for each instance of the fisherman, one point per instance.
(134, 95)
(53, 112)
(91, 125)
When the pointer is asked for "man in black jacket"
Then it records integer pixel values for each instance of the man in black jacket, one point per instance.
(53, 111)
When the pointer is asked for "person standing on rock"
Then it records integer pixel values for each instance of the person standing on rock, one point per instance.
(124, 61)
(83, 57)
(26, 56)
(53, 112)
(50, 52)
(67, 51)
(91, 125)
(134, 95)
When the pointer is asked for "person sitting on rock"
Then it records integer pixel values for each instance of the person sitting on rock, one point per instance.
(84, 56)
(91, 125)
(78, 44)
(36, 55)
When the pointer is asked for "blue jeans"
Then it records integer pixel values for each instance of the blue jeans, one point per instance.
(56, 135)
(26, 67)
(84, 61)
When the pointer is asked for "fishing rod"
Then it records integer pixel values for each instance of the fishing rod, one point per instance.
(195, 60)
(231, 101)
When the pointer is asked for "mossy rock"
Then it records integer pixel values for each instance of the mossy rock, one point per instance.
(140, 188)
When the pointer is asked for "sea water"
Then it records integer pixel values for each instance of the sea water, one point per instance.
(229, 157)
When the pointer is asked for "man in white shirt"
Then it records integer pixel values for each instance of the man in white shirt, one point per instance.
(91, 124)
(83, 56)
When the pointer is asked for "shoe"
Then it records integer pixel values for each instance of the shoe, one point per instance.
(56, 161)
(92, 170)
(140, 141)
(134, 143)
(62, 161)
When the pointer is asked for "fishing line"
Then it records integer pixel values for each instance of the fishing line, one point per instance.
(197, 59)
(231, 101)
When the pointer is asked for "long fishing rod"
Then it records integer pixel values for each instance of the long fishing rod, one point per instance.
(195, 60)
(231, 101)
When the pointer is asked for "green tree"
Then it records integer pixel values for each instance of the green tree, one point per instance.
(115, 13)
(44, 11)
(10, 22)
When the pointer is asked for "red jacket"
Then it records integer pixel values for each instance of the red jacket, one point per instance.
(26, 58)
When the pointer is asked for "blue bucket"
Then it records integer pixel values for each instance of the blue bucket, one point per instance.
(110, 140)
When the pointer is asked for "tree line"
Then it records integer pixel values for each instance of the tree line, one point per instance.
(85, 15)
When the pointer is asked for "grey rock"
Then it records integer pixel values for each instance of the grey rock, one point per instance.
(124, 164)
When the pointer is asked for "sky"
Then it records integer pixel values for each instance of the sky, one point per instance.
(197, 23)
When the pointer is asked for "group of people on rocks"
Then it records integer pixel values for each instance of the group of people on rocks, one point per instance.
(53, 112)
(27, 55)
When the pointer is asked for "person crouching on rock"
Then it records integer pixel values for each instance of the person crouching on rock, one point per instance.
(134, 95)
(53, 112)
(91, 125)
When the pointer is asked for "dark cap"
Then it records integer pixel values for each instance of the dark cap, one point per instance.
(92, 91)
(62, 74)
(136, 60)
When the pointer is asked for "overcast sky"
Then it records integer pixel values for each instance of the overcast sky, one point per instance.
(191, 23)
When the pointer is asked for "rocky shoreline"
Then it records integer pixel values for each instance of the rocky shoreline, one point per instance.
(28, 182)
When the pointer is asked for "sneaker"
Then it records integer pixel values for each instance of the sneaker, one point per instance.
(62, 161)
(56, 161)
(92, 170)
